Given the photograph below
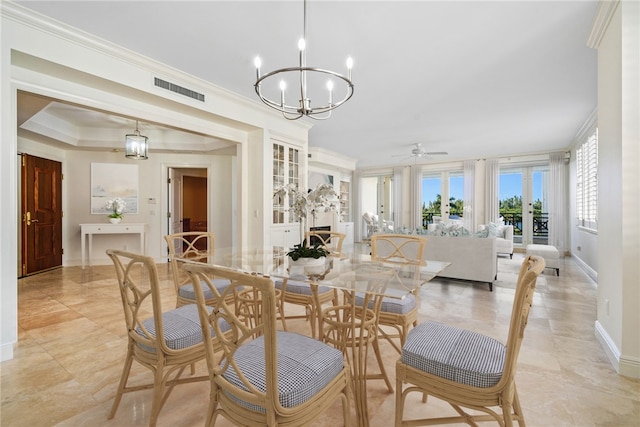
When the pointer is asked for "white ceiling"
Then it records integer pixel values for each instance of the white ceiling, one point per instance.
(475, 79)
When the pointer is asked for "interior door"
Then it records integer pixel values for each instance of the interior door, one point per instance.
(41, 204)
(175, 201)
(174, 211)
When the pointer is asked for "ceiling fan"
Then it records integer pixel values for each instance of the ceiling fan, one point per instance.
(418, 151)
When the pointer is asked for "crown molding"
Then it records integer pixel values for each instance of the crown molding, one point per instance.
(604, 13)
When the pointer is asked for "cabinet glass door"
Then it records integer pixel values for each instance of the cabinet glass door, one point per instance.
(286, 170)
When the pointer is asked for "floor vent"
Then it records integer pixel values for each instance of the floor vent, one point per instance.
(178, 89)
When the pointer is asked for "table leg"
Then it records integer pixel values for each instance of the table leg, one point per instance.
(351, 329)
(90, 248)
(82, 249)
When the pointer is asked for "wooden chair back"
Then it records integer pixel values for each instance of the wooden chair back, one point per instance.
(190, 246)
(332, 241)
(138, 283)
(530, 269)
(397, 248)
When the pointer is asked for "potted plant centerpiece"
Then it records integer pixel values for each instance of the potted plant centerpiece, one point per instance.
(307, 260)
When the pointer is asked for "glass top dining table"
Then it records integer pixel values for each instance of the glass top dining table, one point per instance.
(352, 273)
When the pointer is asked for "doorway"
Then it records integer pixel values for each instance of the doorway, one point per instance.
(377, 198)
(188, 201)
(524, 203)
(442, 197)
(40, 239)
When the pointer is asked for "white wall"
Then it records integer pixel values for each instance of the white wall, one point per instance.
(618, 317)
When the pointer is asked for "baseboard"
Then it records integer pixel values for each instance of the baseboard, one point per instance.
(624, 365)
(586, 268)
(609, 347)
(6, 352)
(629, 366)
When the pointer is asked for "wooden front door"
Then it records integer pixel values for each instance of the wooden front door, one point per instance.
(41, 196)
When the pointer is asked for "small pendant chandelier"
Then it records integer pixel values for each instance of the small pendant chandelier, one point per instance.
(304, 107)
(136, 145)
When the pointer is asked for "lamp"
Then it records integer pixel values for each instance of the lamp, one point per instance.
(136, 145)
(304, 107)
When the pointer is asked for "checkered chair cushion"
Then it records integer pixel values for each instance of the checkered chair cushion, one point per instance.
(181, 328)
(186, 291)
(303, 288)
(305, 366)
(392, 305)
(455, 354)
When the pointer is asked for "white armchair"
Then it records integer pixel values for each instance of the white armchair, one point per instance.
(504, 245)
(504, 238)
(375, 224)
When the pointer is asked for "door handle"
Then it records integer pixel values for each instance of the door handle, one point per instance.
(28, 220)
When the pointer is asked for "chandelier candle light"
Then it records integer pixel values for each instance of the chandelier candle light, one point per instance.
(304, 107)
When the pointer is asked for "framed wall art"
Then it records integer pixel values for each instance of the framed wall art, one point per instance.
(114, 180)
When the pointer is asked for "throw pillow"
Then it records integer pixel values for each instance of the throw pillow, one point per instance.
(482, 233)
(496, 230)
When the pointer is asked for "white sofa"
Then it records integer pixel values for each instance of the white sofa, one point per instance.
(471, 258)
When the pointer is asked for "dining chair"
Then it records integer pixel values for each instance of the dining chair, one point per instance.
(399, 314)
(163, 342)
(265, 376)
(299, 293)
(187, 247)
(466, 369)
(332, 241)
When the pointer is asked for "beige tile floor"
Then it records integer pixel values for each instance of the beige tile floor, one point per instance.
(71, 347)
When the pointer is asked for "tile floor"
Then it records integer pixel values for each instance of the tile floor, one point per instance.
(71, 347)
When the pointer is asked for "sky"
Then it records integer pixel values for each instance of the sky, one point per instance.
(510, 185)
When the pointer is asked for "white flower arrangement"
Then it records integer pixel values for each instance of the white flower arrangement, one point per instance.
(116, 206)
(320, 199)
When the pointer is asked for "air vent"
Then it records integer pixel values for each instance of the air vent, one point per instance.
(178, 89)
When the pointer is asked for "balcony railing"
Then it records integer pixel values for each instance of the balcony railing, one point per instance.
(427, 217)
(540, 226)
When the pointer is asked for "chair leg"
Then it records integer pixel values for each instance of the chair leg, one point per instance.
(399, 403)
(156, 401)
(213, 404)
(123, 382)
(162, 388)
(517, 409)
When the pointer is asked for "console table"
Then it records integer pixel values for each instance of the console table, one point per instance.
(91, 229)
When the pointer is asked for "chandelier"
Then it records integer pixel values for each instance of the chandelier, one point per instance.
(136, 145)
(303, 73)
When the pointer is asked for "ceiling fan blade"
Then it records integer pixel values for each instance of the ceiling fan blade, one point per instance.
(437, 153)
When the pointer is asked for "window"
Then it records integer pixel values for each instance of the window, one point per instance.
(587, 182)
(442, 197)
